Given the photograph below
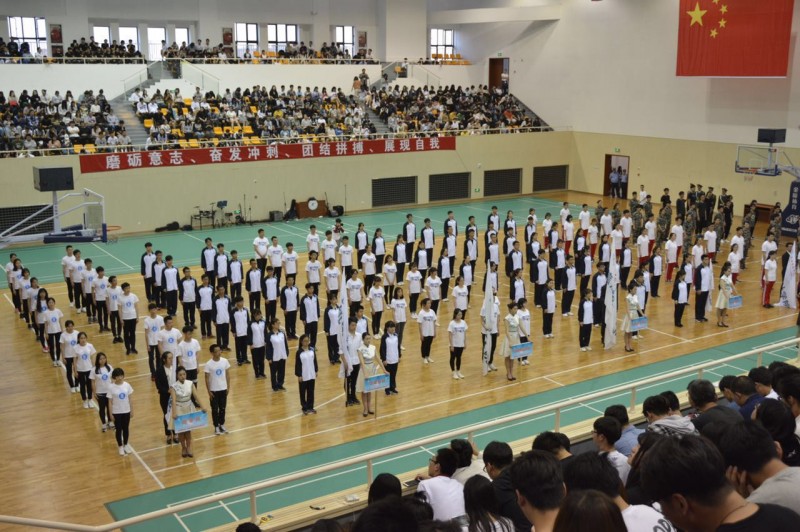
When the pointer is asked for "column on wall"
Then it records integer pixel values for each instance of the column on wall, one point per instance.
(402, 29)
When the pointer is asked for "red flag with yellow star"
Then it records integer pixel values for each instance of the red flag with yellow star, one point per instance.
(747, 38)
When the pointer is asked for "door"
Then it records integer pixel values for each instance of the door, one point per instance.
(498, 73)
(614, 162)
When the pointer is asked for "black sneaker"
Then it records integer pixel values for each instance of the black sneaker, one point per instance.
(245, 361)
(134, 351)
(239, 363)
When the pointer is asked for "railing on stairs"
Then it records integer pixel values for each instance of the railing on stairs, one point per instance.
(135, 81)
(199, 77)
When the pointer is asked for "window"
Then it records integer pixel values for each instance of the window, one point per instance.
(280, 34)
(442, 42)
(129, 33)
(344, 38)
(154, 38)
(29, 32)
(246, 38)
(100, 34)
(182, 36)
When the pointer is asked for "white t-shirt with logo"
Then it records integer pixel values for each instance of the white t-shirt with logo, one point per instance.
(642, 517)
(128, 306)
(102, 380)
(216, 370)
(188, 351)
(168, 340)
(120, 395)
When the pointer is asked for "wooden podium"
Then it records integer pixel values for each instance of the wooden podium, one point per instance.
(303, 211)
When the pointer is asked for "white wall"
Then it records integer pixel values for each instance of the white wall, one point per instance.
(403, 28)
(610, 67)
(77, 78)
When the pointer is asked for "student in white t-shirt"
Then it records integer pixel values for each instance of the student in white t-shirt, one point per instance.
(68, 341)
(52, 326)
(129, 312)
(399, 308)
(119, 393)
(427, 329)
(312, 239)
(457, 331)
(101, 376)
(218, 381)
(414, 278)
(260, 245)
(84, 355)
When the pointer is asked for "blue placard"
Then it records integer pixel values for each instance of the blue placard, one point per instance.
(639, 324)
(187, 422)
(522, 350)
(378, 382)
(735, 302)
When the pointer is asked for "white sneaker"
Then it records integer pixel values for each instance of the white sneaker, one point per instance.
(111, 424)
(491, 367)
(105, 427)
(430, 360)
(222, 429)
(53, 363)
(570, 313)
(413, 315)
(217, 432)
(92, 404)
(425, 361)
(71, 304)
(588, 348)
(460, 375)
(437, 324)
(583, 349)
(73, 390)
(564, 315)
(527, 363)
(403, 348)
(86, 404)
(79, 310)
(445, 299)
(128, 449)
(121, 451)
(455, 375)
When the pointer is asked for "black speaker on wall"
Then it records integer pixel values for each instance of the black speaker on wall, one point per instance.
(53, 179)
(772, 136)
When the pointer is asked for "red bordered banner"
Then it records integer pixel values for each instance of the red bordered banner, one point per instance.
(111, 162)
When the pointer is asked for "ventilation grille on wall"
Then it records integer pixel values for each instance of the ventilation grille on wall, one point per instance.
(394, 191)
(551, 178)
(499, 182)
(448, 186)
(9, 216)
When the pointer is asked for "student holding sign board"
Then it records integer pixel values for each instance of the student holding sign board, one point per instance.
(726, 290)
(634, 311)
(369, 368)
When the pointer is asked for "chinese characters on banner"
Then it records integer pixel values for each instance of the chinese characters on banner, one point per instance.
(109, 162)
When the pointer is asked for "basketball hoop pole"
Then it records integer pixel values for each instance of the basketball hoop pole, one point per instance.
(56, 218)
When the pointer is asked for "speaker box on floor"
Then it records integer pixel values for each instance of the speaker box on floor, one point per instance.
(275, 216)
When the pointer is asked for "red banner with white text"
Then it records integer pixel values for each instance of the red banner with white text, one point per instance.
(111, 162)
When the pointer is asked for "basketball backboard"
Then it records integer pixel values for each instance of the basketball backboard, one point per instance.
(760, 160)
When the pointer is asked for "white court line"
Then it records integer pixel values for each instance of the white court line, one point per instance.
(147, 468)
(193, 237)
(9, 300)
(552, 380)
(113, 257)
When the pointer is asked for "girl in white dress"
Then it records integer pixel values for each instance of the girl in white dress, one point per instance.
(726, 290)
(511, 326)
(370, 366)
(633, 312)
(184, 398)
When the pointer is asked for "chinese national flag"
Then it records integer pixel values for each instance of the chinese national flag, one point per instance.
(729, 38)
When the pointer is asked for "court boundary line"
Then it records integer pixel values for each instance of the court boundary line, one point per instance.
(114, 257)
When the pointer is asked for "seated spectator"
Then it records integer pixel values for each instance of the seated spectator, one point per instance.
(591, 472)
(498, 457)
(789, 390)
(762, 378)
(469, 463)
(686, 476)
(326, 525)
(633, 488)
(556, 443)
(388, 515)
(657, 412)
(674, 402)
(703, 398)
(755, 468)
(383, 486)
(744, 393)
(482, 507)
(538, 481)
(781, 424)
(606, 432)
(726, 389)
(589, 511)
(444, 494)
(628, 440)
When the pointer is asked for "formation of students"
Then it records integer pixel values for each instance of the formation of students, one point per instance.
(571, 256)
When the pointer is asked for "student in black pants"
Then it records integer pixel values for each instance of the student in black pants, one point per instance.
(222, 318)
(305, 369)
(309, 314)
(258, 347)
(277, 353)
(330, 325)
(163, 387)
(390, 355)
(680, 296)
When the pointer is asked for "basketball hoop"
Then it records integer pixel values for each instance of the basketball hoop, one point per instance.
(749, 173)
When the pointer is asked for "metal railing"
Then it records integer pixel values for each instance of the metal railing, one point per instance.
(131, 83)
(73, 60)
(369, 459)
(419, 72)
(206, 143)
(199, 77)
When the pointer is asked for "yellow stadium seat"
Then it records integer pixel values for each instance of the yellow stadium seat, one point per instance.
(253, 109)
(236, 129)
(148, 123)
(215, 141)
(246, 141)
(164, 111)
(90, 148)
(248, 130)
(185, 110)
(193, 143)
(77, 147)
(227, 129)
(187, 102)
(183, 143)
(256, 140)
(218, 131)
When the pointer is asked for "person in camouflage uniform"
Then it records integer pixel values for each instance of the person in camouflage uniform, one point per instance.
(638, 220)
(664, 223)
(648, 207)
(719, 223)
(616, 215)
(750, 218)
(775, 226)
(689, 228)
(747, 234)
(598, 210)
